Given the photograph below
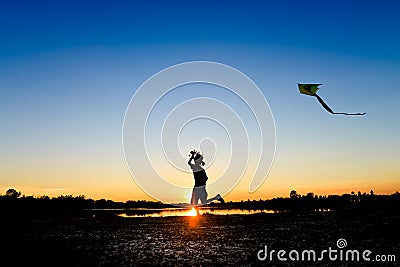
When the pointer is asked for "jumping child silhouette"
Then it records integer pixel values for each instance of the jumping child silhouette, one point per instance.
(200, 179)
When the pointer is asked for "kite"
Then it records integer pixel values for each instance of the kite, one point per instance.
(311, 89)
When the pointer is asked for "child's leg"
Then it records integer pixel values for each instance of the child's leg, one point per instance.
(202, 194)
(194, 200)
(217, 197)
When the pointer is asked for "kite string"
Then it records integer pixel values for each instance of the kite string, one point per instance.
(331, 111)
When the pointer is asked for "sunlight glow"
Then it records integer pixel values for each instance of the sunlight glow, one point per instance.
(192, 212)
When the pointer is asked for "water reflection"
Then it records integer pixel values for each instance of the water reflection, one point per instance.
(186, 212)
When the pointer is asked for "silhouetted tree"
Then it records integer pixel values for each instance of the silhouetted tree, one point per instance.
(12, 193)
(293, 194)
(310, 195)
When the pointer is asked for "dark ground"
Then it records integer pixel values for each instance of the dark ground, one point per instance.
(207, 240)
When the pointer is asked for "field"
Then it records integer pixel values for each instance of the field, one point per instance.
(206, 240)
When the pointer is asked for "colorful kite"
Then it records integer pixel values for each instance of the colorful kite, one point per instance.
(311, 89)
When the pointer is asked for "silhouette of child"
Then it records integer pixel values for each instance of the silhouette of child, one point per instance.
(200, 179)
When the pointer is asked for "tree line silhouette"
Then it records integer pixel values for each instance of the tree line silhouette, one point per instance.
(13, 202)
(310, 202)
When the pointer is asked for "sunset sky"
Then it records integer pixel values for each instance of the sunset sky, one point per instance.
(69, 70)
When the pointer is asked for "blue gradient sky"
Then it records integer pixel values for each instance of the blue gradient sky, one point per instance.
(68, 71)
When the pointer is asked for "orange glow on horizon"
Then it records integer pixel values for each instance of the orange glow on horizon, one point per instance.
(277, 184)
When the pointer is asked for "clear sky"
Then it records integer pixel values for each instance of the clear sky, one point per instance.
(68, 71)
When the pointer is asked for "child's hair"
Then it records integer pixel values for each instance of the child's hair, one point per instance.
(197, 156)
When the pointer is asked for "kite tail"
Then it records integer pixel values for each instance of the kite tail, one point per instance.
(331, 111)
(350, 114)
(324, 104)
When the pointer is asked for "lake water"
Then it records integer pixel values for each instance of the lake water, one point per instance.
(186, 212)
